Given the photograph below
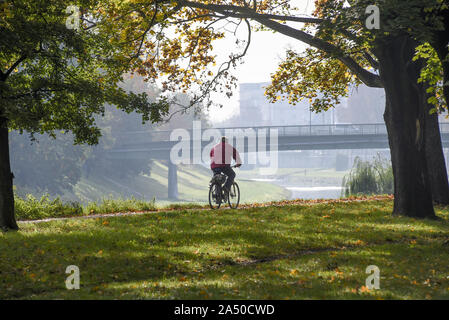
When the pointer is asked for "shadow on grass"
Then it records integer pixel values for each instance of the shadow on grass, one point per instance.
(167, 247)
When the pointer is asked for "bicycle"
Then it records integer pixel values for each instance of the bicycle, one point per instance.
(217, 194)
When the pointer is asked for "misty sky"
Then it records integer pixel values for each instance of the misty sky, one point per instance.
(265, 52)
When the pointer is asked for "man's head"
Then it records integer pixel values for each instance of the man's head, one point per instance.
(224, 139)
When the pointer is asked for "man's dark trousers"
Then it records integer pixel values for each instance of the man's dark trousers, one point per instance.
(227, 170)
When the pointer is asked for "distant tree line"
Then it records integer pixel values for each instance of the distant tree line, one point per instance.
(45, 164)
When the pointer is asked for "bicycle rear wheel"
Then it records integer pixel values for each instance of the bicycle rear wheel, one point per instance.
(234, 196)
(214, 196)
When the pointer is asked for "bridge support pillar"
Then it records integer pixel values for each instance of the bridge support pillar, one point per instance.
(172, 181)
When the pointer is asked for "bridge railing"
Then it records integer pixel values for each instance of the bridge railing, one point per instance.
(331, 130)
(299, 130)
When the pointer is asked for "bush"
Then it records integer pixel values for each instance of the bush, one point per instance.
(33, 208)
(369, 178)
(120, 205)
(385, 179)
(30, 208)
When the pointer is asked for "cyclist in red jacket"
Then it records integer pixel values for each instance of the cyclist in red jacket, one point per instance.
(221, 157)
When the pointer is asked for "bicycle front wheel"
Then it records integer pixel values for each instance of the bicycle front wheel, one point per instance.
(214, 196)
(234, 196)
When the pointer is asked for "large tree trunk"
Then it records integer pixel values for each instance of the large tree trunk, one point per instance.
(405, 119)
(436, 164)
(7, 219)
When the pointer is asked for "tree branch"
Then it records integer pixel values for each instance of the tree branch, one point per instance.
(373, 62)
(5, 75)
(245, 12)
(368, 78)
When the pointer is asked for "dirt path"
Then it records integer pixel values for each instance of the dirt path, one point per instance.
(243, 206)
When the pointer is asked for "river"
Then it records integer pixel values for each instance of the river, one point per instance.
(307, 192)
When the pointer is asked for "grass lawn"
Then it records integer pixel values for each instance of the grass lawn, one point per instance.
(316, 251)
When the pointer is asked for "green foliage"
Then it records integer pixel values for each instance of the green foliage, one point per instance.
(56, 78)
(324, 75)
(319, 77)
(119, 205)
(289, 252)
(385, 178)
(54, 166)
(369, 178)
(32, 208)
(432, 74)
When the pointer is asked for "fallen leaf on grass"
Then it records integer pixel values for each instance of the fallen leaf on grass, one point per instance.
(364, 289)
(293, 272)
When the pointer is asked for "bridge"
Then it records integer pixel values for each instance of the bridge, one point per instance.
(158, 144)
